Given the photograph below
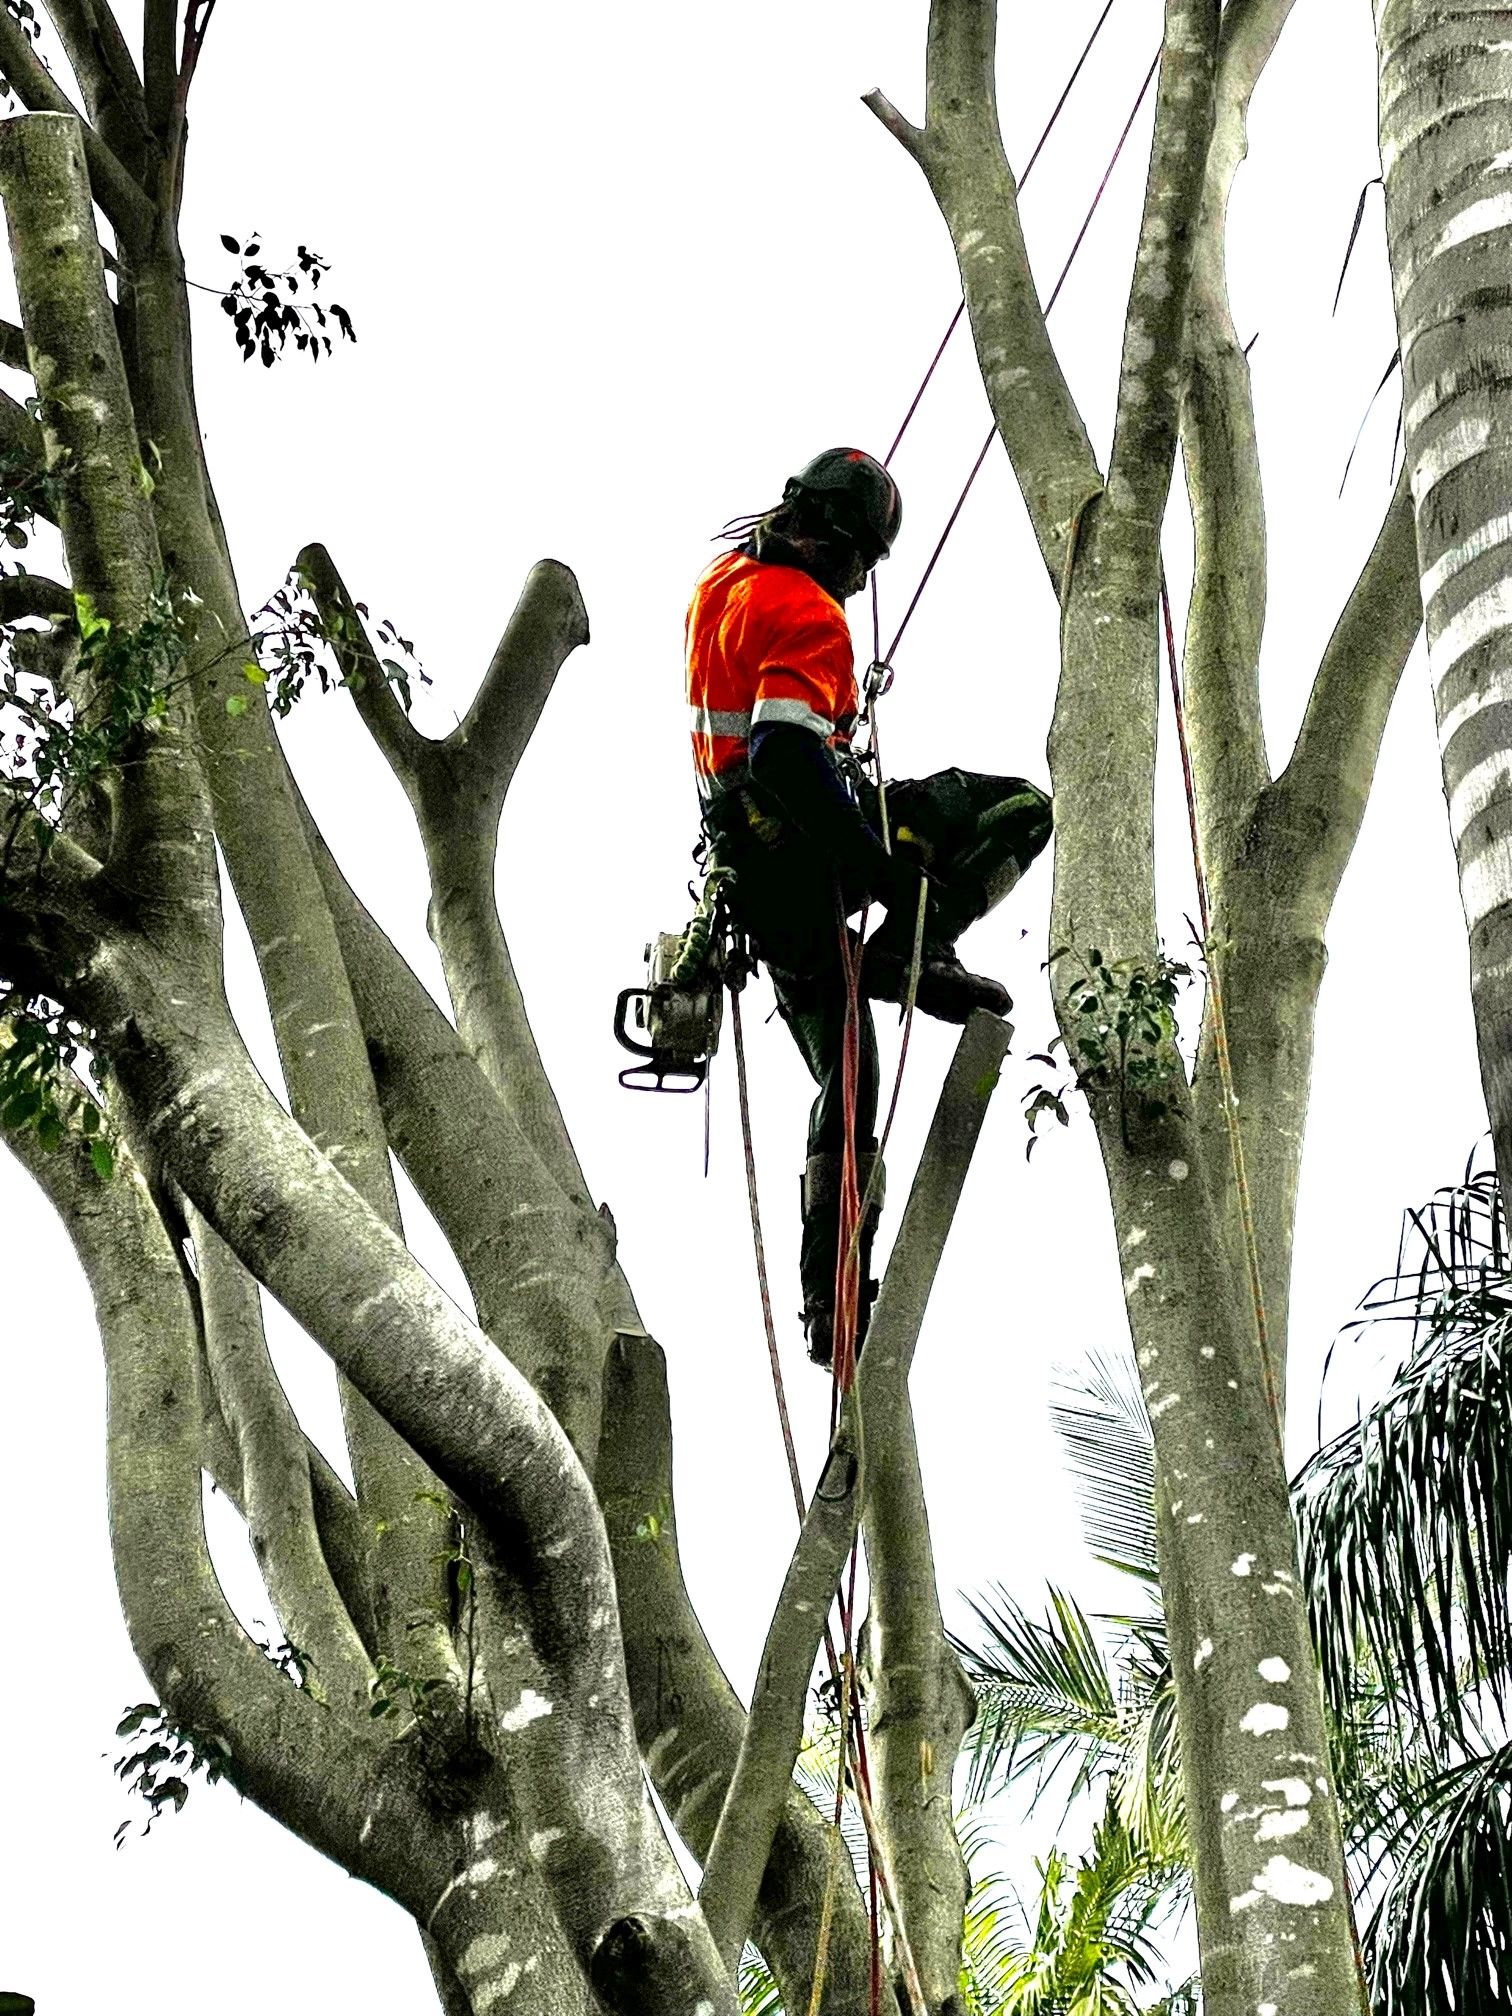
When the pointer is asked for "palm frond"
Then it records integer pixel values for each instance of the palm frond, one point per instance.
(817, 1774)
(1045, 1695)
(1086, 1944)
(756, 1988)
(1405, 1519)
(1441, 1936)
(1099, 1414)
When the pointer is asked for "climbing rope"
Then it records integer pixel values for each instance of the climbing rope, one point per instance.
(1228, 1097)
(854, 1203)
(885, 659)
(1023, 184)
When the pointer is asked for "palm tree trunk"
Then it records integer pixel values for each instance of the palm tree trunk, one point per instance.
(1446, 152)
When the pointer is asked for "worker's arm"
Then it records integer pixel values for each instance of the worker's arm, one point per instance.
(796, 768)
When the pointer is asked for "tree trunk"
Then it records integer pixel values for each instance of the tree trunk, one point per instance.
(1446, 154)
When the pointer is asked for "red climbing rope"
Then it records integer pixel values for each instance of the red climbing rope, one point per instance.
(854, 1202)
(1227, 1094)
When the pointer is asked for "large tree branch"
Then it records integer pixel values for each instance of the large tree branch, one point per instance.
(1227, 616)
(98, 55)
(303, 1231)
(118, 193)
(1325, 785)
(1104, 784)
(276, 1495)
(537, 1266)
(921, 1707)
(774, 1728)
(457, 788)
(162, 824)
(759, 1784)
(323, 1775)
(960, 149)
(23, 595)
(337, 1520)
(687, 1717)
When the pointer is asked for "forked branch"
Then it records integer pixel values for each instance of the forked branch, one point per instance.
(960, 149)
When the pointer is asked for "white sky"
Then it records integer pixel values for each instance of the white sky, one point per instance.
(615, 272)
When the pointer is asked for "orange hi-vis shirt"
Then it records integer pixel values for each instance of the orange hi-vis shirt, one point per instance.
(764, 643)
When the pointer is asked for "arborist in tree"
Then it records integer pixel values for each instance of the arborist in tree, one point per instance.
(787, 807)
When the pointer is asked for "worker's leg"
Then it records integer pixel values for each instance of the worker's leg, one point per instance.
(976, 835)
(790, 910)
(813, 1006)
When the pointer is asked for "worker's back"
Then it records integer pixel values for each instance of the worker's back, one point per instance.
(764, 644)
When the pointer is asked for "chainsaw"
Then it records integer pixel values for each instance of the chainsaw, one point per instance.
(680, 1009)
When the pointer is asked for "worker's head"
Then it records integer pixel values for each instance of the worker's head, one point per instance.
(838, 517)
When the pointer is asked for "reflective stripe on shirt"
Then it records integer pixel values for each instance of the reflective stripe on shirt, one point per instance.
(714, 721)
(794, 713)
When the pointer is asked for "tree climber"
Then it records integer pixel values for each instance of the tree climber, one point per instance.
(786, 806)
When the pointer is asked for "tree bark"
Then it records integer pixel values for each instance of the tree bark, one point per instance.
(1446, 155)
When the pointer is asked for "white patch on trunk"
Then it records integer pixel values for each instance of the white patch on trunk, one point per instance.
(1143, 1272)
(543, 1837)
(1164, 1406)
(1457, 445)
(1477, 791)
(1204, 1651)
(1243, 1565)
(1486, 881)
(1485, 538)
(1276, 1671)
(484, 1952)
(1295, 1791)
(1478, 218)
(1265, 1718)
(1228, 1802)
(1482, 617)
(1178, 1171)
(484, 1997)
(1289, 1883)
(529, 1708)
(1277, 1826)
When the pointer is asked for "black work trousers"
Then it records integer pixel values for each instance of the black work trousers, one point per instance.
(975, 834)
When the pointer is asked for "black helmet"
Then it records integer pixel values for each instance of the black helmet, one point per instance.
(860, 499)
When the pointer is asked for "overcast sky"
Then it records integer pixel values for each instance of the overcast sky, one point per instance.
(615, 271)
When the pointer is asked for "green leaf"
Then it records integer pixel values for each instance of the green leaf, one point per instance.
(102, 1155)
(254, 673)
(236, 704)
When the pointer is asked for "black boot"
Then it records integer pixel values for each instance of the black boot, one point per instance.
(945, 988)
(820, 1249)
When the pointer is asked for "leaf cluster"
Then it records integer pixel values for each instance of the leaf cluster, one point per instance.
(170, 1754)
(266, 311)
(123, 677)
(39, 1047)
(295, 646)
(1122, 1039)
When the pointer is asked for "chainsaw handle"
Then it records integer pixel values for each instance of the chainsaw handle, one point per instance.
(653, 1077)
(622, 1034)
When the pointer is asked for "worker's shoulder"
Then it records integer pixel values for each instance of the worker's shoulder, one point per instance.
(764, 589)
